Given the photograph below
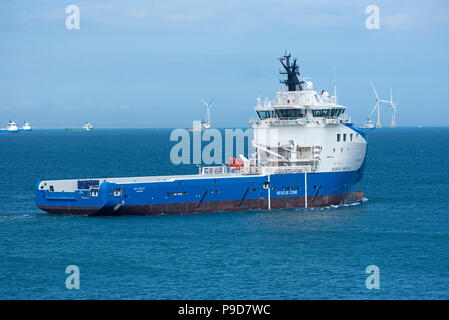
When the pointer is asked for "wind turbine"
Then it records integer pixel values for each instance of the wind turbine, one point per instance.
(377, 106)
(393, 109)
(207, 124)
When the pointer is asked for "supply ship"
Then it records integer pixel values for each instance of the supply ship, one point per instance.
(26, 127)
(87, 127)
(308, 154)
(10, 128)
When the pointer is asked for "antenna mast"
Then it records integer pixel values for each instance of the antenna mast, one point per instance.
(292, 71)
(335, 86)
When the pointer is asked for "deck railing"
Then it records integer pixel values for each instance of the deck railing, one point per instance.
(311, 166)
(219, 170)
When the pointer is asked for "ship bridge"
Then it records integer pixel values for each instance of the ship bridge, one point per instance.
(302, 128)
(299, 103)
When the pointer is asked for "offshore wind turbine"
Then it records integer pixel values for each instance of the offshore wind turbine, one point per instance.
(377, 106)
(207, 123)
(393, 109)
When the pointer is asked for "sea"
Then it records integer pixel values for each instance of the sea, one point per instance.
(400, 230)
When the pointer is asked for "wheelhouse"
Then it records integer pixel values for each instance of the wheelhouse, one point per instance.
(328, 112)
(266, 114)
(290, 113)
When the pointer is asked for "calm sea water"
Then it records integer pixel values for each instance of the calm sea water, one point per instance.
(403, 228)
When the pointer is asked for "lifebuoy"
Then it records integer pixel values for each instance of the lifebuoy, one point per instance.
(234, 163)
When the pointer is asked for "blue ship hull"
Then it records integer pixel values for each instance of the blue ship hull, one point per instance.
(204, 194)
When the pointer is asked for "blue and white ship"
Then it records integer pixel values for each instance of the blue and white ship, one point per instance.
(26, 127)
(308, 154)
(10, 128)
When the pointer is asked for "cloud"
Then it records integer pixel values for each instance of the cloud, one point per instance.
(233, 15)
(22, 105)
(398, 22)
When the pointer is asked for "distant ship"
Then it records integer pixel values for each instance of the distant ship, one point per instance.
(369, 125)
(10, 128)
(26, 126)
(315, 158)
(205, 124)
(87, 127)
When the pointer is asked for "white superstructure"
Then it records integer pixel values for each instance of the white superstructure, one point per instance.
(88, 126)
(11, 127)
(26, 126)
(369, 124)
(306, 130)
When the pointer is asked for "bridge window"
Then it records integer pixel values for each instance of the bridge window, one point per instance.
(350, 137)
(324, 113)
(336, 112)
(344, 137)
(290, 113)
(265, 114)
(338, 137)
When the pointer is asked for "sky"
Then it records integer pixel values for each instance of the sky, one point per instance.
(148, 64)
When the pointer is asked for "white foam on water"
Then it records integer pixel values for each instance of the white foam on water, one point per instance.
(11, 217)
(341, 205)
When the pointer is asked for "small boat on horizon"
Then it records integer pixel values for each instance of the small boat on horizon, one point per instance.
(26, 126)
(204, 124)
(87, 127)
(369, 125)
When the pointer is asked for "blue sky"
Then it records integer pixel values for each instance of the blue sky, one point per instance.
(148, 63)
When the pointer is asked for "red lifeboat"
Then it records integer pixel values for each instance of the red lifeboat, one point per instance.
(234, 163)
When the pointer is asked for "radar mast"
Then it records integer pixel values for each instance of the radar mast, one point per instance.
(292, 71)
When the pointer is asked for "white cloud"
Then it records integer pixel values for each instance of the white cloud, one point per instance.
(398, 22)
